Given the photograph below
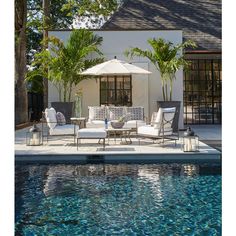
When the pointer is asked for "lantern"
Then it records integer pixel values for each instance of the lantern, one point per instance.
(190, 141)
(34, 136)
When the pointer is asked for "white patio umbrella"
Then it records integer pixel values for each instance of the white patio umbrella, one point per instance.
(115, 67)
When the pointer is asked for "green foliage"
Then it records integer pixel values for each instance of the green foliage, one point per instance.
(35, 84)
(63, 63)
(58, 20)
(92, 12)
(62, 14)
(167, 59)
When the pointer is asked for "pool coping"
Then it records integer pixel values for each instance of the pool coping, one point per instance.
(83, 158)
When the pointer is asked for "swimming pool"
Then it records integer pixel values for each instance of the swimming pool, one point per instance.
(122, 199)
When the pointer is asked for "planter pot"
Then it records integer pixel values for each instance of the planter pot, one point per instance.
(67, 108)
(176, 104)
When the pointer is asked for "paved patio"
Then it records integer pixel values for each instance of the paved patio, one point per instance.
(63, 148)
(208, 132)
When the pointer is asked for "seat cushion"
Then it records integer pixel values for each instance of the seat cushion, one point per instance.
(64, 130)
(97, 124)
(50, 115)
(91, 133)
(134, 123)
(149, 130)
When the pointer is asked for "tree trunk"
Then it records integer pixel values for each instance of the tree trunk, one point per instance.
(21, 100)
(46, 11)
(70, 91)
(171, 86)
(64, 91)
(166, 92)
(163, 87)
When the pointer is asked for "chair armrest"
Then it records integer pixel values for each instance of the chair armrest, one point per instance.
(146, 120)
(43, 120)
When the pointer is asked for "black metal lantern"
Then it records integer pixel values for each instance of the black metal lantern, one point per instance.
(34, 136)
(190, 141)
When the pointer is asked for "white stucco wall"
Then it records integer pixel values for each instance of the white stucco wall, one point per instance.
(146, 89)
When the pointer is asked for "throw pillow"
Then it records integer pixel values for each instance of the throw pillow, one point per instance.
(50, 115)
(61, 120)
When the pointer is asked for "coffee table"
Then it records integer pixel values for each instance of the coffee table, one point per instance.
(124, 135)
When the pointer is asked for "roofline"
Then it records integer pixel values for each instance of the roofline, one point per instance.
(217, 51)
(53, 30)
(203, 52)
(123, 4)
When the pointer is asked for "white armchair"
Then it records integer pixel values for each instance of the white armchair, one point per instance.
(161, 125)
(56, 127)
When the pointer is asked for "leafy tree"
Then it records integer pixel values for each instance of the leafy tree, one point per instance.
(57, 19)
(41, 16)
(91, 13)
(29, 27)
(166, 58)
(63, 63)
(60, 15)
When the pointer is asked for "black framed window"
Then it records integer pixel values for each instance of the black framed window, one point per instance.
(202, 92)
(116, 90)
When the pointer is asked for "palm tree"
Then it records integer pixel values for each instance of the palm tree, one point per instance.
(63, 63)
(166, 58)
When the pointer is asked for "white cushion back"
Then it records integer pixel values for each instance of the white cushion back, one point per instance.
(97, 113)
(115, 113)
(169, 114)
(135, 113)
(50, 115)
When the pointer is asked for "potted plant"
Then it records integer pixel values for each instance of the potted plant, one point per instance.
(167, 59)
(63, 63)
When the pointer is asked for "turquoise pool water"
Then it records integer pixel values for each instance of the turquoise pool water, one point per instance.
(155, 199)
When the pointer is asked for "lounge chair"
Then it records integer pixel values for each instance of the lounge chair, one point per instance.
(160, 127)
(58, 127)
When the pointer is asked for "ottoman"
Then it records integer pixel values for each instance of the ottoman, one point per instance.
(92, 133)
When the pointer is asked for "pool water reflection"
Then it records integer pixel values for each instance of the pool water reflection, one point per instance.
(153, 199)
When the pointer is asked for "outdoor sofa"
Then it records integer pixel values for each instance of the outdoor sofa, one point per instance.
(132, 116)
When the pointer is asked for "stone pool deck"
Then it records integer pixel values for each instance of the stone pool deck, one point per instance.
(62, 149)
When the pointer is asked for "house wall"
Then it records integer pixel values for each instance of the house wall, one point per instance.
(146, 88)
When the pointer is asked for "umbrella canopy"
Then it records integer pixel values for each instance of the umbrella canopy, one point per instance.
(115, 67)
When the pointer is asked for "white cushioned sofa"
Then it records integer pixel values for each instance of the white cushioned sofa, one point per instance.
(133, 116)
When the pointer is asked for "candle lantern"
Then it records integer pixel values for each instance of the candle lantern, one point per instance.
(34, 136)
(190, 141)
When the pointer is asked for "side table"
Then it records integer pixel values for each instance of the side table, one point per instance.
(81, 121)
